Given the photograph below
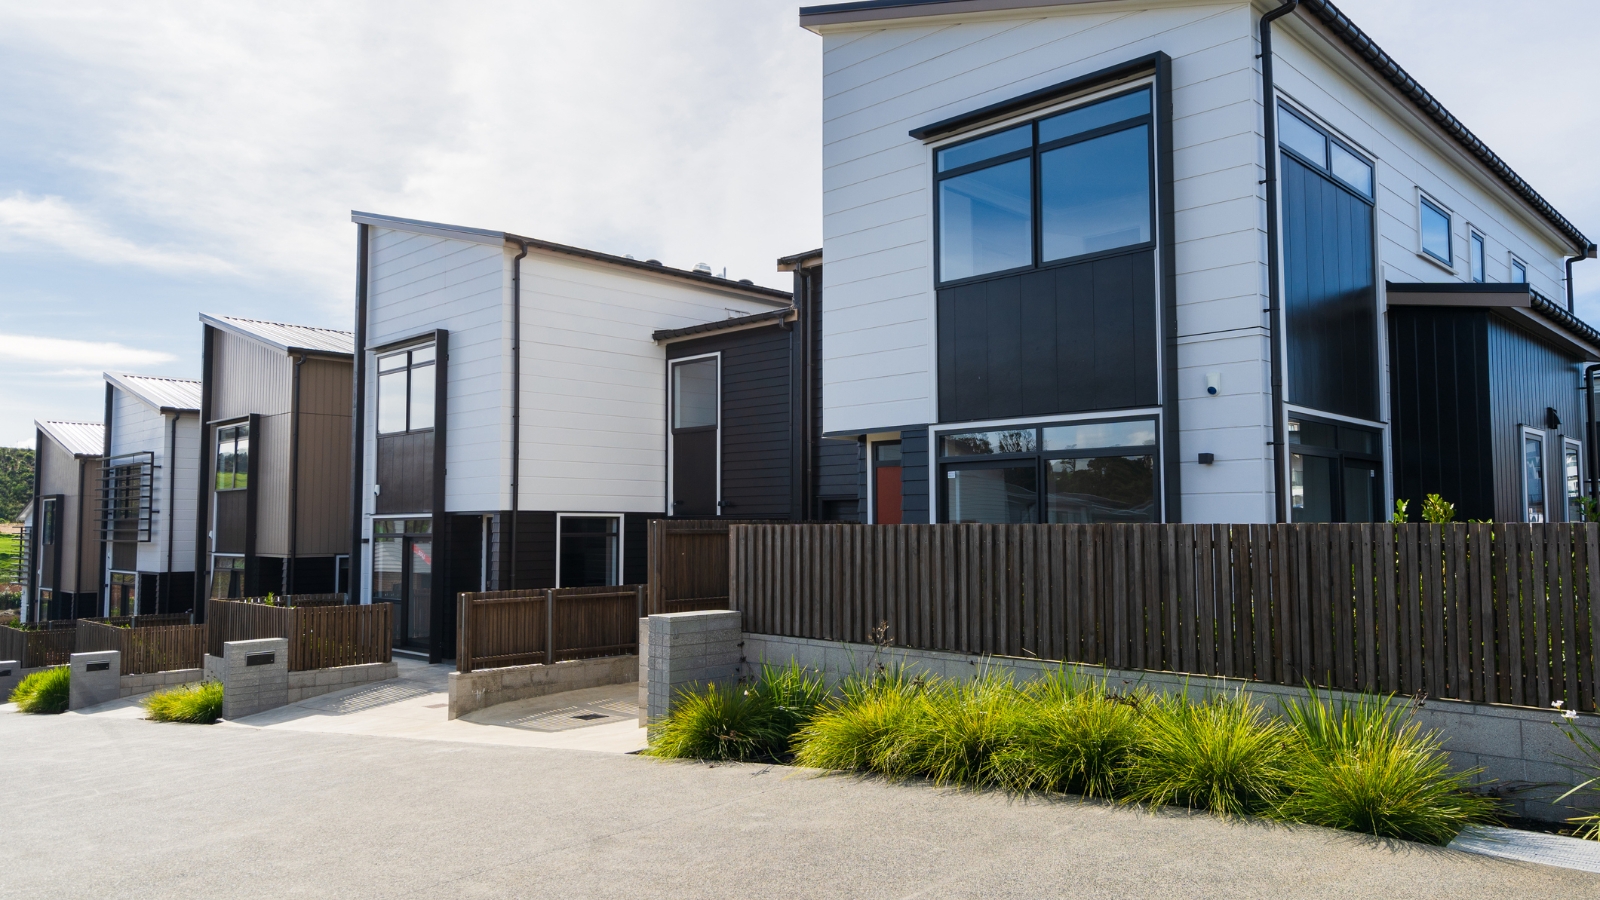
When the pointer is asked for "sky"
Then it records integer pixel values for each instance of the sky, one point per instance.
(161, 159)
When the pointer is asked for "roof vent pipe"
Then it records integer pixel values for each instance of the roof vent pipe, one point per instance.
(1269, 106)
(1588, 253)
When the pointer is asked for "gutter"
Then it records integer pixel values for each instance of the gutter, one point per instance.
(358, 422)
(516, 399)
(1269, 106)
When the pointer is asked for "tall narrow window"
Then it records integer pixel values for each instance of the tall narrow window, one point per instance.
(1533, 476)
(406, 390)
(1477, 257)
(1435, 225)
(1572, 478)
(233, 457)
(696, 439)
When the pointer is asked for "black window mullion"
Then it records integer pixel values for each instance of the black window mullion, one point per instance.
(1038, 219)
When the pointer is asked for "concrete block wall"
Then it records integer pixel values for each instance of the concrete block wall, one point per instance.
(96, 678)
(249, 689)
(133, 685)
(315, 683)
(472, 691)
(688, 651)
(1521, 750)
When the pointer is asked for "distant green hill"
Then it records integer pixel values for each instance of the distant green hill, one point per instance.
(16, 481)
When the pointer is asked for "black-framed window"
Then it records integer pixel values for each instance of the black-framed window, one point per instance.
(1335, 472)
(406, 390)
(227, 577)
(1072, 472)
(1327, 153)
(590, 550)
(1519, 271)
(1533, 487)
(233, 457)
(1475, 257)
(47, 519)
(1065, 186)
(1434, 222)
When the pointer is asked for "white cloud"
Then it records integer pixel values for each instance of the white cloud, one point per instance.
(53, 222)
(65, 356)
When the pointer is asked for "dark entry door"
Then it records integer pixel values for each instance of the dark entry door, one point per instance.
(696, 437)
(402, 574)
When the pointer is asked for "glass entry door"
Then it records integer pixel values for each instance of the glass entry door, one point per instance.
(402, 574)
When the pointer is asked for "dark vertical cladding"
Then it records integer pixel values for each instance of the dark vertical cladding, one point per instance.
(1528, 376)
(405, 473)
(635, 547)
(442, 635)
(252, 494)
(915, 505)
(1076, 338)
(1329, 294)
(358, 424)
(536, 550)
(1439, 407)
(203, 493)
(35, 536)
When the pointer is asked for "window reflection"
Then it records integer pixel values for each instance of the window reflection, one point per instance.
(1006, 495)
(1095, 195)
(986, 221)
(1102, 489)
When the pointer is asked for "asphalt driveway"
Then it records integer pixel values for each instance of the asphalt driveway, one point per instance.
(107, 807)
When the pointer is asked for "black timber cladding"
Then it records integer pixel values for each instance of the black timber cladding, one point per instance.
(1526, 376)
(758, 439)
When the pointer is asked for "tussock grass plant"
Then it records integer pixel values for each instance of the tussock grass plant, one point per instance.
(1587, 763)
(1359, 765)
(197, 704)
(959, 730)
(744, 722)
(47, 693)
(864, 729)
(1076, 737)
(1220, 754)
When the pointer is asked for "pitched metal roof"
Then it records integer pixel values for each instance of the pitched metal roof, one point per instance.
(165, 394)
(736, 323)
(82, 439)
(288, 338)
(479, 235)
(1324, 11)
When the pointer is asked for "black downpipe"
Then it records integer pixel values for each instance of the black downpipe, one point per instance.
(172, 507)
(358, 421)
(77, 555)
(1269, 104)
(1588, 253)
(204, 491)
(1588, 432)
(30, 610)
(516, 399)
(294, 477)
(104, 515)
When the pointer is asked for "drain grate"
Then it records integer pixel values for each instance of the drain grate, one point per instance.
(587, 716)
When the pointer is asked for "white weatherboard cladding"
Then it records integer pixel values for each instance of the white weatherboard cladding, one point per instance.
(879, 295)
(136, 427)
(418, 283)
(594, 383)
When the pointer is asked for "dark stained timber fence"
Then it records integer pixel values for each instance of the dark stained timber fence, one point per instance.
(321, 635)
(688, 565)
(517, 628)
(45, 644)
(1488, 613)
(148, 644)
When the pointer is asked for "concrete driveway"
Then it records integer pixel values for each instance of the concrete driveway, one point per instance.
(108, 806)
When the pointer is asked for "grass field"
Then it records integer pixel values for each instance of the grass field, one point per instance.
(10, 558)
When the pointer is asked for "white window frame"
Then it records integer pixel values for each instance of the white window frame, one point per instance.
(1475, 239)
(671, 401)
(1523, 434)
(1570, 444)
(1450, 216)
(621, 536)
(1511, 269)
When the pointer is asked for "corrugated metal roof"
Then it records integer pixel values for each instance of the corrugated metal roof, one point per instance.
(733, 324)
(162, 393)
(288, 338)
(80, 438)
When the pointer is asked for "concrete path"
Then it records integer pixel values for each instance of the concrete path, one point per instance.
(109, 807)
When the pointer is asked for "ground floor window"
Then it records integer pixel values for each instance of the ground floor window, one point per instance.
(1533, 496)
(402, 574)
(1572, 475)
(588, 551)
(1335, 472)
(123, 597)
(227, 577)
(1075, 472)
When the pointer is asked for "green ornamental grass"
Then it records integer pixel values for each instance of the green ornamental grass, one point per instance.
(1076, 738)
(864, 728)
(46, 692)
(1360, 766)
(954, 735)
(198, 704)
(744, 722)
(1221, 754)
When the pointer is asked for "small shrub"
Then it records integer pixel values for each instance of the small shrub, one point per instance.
(864, 729)
(955, 734)
(1220, 755)
(1400, 516)
(1359, 766)
(199, 704)
(46, 692)
(1437, 511)
(1077, 738)
(756, 721)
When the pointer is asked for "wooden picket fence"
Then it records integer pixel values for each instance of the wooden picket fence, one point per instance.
(1480, 612)
(516, 628)
(148, 644)
(49, 643)
(321, 635)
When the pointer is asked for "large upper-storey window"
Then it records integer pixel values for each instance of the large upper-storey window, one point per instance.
(233, 457)
(1059, 188)
(405, 390)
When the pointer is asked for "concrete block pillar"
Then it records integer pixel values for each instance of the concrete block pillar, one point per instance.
(688, 651)
(96, 678)
(10, 674)
(255, 676)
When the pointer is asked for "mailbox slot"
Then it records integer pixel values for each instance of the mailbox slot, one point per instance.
(98, 667)
(260, 659)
